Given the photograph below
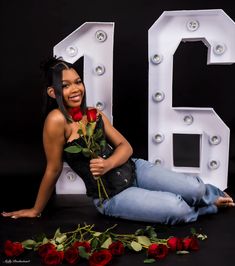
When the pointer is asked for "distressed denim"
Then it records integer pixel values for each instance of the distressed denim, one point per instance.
(162, 196)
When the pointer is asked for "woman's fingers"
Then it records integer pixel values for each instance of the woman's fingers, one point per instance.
(13, 215)
(21, 213)
(97, 166)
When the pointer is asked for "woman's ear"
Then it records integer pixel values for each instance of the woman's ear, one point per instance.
(51, 92)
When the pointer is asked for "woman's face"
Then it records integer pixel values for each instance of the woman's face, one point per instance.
(73, 88)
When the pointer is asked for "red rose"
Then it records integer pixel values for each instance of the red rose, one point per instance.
(175, 243)
(116, 248)
(71, 255)
(191, 243)
(152, 250)
(100, 258)
(157, 251)
(84, 244)
(53, 257)
(91, 115)
(76, 113)
(194, 245)
(13, 249)
(172, 243)
(44, 249)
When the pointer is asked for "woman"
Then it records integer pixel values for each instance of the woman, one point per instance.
(156, 194)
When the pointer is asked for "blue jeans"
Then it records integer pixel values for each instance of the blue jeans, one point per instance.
(162, 196)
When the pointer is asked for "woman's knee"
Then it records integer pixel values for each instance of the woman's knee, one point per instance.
(196, 189)
(179, 212)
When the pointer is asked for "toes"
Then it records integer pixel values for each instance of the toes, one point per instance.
(224, 202)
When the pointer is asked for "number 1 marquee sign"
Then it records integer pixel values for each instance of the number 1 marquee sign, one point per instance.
(94, 42)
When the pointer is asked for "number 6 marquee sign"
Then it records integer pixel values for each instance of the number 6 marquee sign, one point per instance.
(94, 42)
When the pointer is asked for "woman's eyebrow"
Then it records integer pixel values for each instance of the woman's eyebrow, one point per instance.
(76, 79)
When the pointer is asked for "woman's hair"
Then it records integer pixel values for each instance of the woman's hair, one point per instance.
(52, 69)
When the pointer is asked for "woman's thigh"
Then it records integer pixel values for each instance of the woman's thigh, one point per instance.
(150, 206)
(153, 177)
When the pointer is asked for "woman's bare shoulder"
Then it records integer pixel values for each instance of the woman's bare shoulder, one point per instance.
(55, 117)
(55, 122)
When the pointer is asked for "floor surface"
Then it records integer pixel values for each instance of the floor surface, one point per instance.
(66, 211)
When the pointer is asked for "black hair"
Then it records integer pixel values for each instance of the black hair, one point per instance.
(52, 69)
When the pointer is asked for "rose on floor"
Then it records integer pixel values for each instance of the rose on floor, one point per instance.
(99, 248)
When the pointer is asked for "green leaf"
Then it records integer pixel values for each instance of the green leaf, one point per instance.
(82, 253)
(107, 243)
(74, 149)
(61, 238)
(97, 234)
(136, 246)
(182, 252)
(37, 245)
(149, 261)
(202, 236)
(52, 242)
(60, 247)
(57, 233)
(40, 237)
(98, 134)
(86, 152)
(143, 240)
(150, 231)
(102, 143)
(29, 244)
(129, 246)
(94, 243)
(45, 240)
(193, 231)
(139, 232)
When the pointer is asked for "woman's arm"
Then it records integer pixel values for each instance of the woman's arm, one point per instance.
(121, 154)
(53, 140)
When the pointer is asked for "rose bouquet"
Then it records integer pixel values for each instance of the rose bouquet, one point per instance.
(100, 248)
(93, 141)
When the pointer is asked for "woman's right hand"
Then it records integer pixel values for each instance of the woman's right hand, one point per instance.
(30, 213)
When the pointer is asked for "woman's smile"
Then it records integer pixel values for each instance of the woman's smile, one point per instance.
(76, 97)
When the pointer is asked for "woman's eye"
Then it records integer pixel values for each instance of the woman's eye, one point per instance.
(78, 82)
(65, 85)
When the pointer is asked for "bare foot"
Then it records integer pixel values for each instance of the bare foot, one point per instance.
(226, 201)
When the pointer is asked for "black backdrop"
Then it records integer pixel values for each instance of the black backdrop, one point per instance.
(30, 29)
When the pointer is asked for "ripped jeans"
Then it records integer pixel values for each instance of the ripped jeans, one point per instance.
(162, 196)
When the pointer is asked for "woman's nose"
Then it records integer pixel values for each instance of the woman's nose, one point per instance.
(75, 87)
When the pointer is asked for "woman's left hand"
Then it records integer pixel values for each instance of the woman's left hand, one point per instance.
(99, 166)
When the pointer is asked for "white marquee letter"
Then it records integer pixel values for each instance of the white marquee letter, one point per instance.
(217, 31)
(94, 42)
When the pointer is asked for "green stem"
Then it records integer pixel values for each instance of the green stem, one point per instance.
(103, 187)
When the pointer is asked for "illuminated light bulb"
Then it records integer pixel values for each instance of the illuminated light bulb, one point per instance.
(99, 70)
(192, 25)
(213, 164)
(219, 49)
(158, 138)
(215, 140)
(71, 176)
(158, 96)
(188, 119)
(101, 36)
(100, 106)
(158, 162)
(71, 51)
(156, 59)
